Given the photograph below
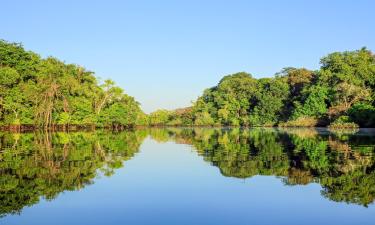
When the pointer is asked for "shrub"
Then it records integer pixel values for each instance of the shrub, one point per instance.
(362, 114)
(303, 121)
(343, 122)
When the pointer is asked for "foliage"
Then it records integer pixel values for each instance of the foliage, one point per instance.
(303, 121)
(344, 86)
(363, 114)
(48, 92)
(343, 122)
(159, 117)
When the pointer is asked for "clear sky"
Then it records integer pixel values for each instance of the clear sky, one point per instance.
(165, 53)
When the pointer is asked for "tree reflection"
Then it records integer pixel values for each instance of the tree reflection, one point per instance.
(343, 163)
(44, 165)
(35, 165)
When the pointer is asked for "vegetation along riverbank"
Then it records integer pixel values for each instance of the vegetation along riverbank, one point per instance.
(46, 93)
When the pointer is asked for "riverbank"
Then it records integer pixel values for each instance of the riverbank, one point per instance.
(26, 128)
(67, 128)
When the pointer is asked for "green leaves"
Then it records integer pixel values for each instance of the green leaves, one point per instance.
(160, 117)
(48, 92)
(295, 96)
(8, 77)
(363, 114)
(314, 105)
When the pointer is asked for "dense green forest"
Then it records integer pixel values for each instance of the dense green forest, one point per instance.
(48, 93)
(339, 94)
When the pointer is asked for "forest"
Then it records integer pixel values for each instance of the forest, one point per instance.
(47, 93)
(338, 95)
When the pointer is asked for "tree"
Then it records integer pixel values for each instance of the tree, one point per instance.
(363, 114)
(11, 97)
(345, 95)
(313, 103)
(270, 101)
(159, 117)
(49, 93)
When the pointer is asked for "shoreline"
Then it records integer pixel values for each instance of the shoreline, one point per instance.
(77, 128)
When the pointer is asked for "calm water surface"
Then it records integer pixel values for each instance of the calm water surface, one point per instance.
(188, 176)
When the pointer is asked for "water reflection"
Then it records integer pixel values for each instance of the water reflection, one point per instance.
(40, 165)
(342, 163)
(36, 165)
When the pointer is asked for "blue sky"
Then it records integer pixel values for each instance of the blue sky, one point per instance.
(165, 53)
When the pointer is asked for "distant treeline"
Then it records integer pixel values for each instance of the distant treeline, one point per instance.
(48, 93)
(340, 94)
